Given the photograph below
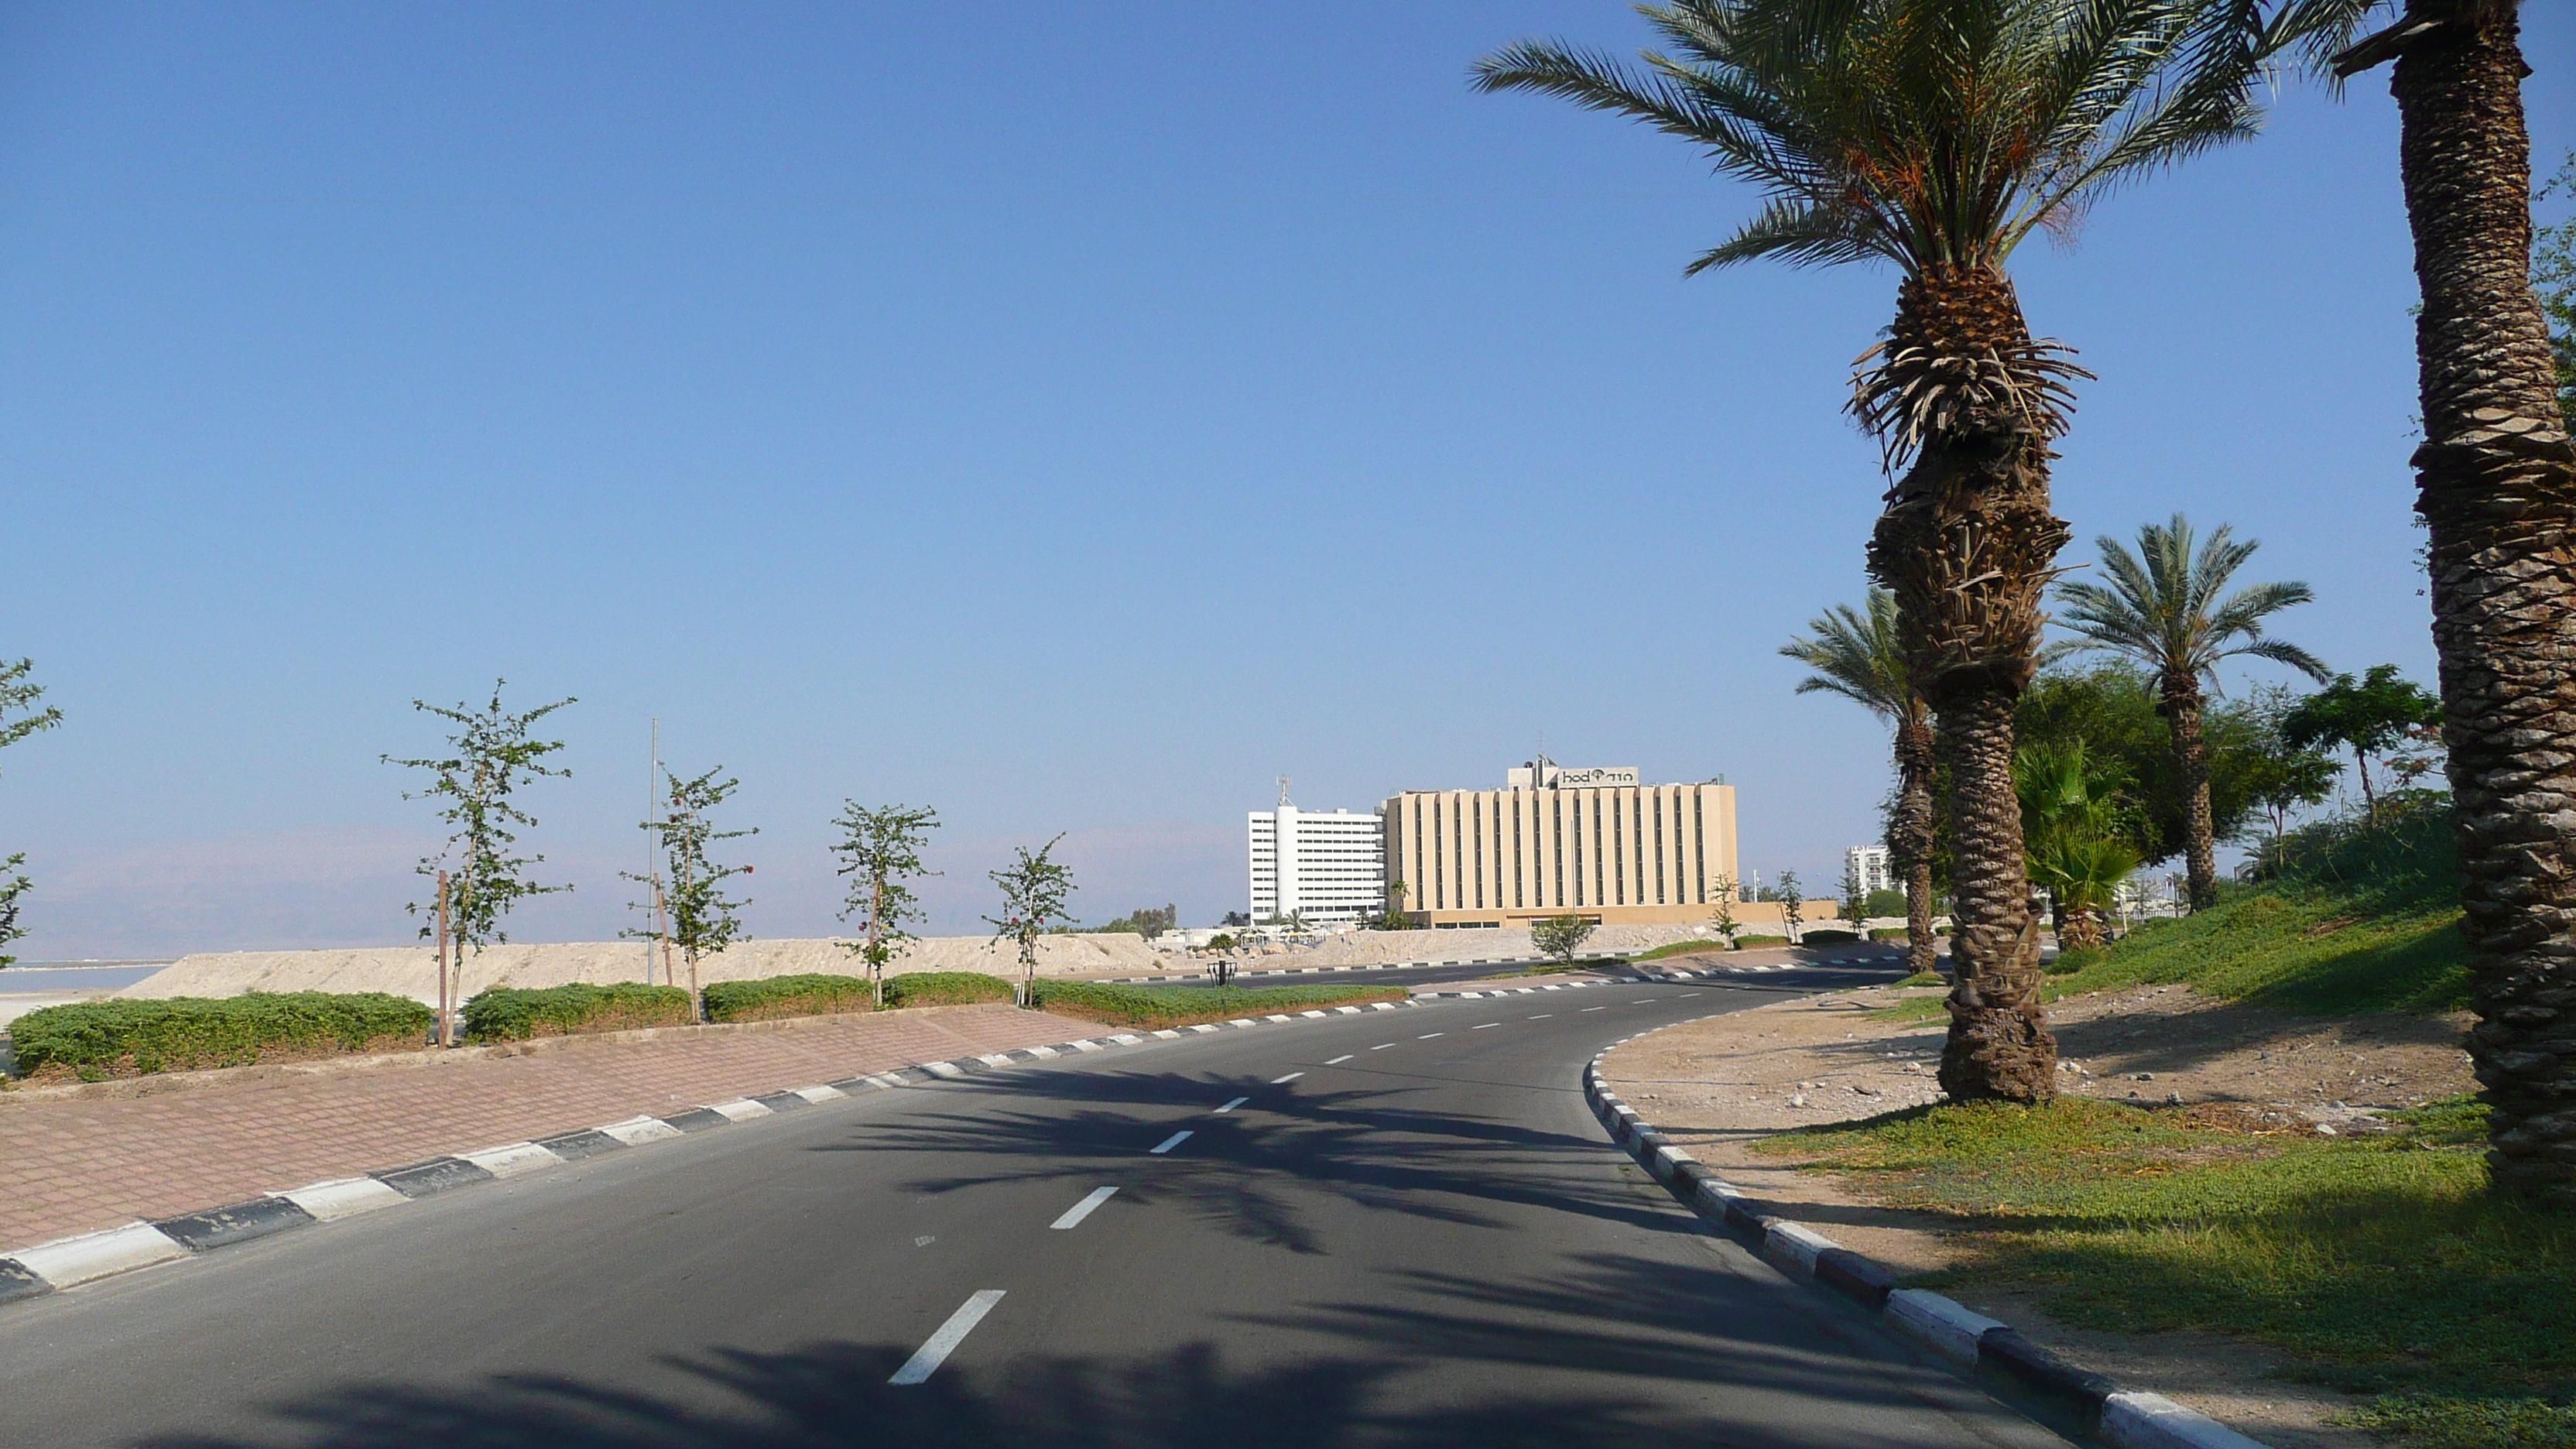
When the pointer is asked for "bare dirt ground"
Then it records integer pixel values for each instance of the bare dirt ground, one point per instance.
(1720, 1084)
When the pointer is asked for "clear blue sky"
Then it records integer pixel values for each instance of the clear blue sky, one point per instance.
(1071, 416)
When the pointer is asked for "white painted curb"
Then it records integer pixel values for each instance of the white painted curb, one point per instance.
(636, 1131)
(1794, 1249)
(1936, 1322)
(95, 1255)
(344, 1197)
(513, 1159)
(827, 1094)
(1669, 1160)
(2152, 1421)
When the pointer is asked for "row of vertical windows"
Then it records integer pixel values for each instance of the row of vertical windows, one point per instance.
(1550, 872)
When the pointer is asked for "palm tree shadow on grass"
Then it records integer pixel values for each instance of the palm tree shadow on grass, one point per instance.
(1352, 1145)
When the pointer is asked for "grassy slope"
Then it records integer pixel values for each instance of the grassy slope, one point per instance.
(2371, 923)
(1160, 1008)
(2382, 1260)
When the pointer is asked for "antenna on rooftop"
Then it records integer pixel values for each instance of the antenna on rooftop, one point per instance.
(1283, 790)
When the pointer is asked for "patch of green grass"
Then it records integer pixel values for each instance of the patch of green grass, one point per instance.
(1923, 978)
(1158, 1008)
(1678, 948)
(2446, 1421)
(2365, 920)
(508, 1013)
(2384, 1260)
(1559, 968)
(91, 1041)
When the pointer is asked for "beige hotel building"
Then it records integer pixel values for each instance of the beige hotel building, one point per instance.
(1593, 842)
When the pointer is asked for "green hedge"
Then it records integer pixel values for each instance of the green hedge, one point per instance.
(776, 996)
(1828, 935)
(507, 1013)
(945, 988)
(1156, 1008)
(1746, 942)
(93, 1040)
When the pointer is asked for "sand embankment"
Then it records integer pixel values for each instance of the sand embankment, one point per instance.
(412, 970)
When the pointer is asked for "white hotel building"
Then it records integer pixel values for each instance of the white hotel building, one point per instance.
(1327, 868)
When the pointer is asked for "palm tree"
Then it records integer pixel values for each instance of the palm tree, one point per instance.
(2164, 609)
(1857, 656)
(2496, 486)
(2071, 819)
(1936, 136)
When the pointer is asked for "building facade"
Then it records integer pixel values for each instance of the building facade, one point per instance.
(1596, 843)
(1869, 863)
(1326, 868)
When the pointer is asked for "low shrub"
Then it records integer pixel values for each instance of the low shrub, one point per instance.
(1744, 942)
(945, 988)
(1889, 933)
(1157, 1008)
(776, 996)
(92, 1041)
(509, 1013)
(1827, 936)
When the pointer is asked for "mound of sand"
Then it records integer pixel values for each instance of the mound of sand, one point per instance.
(412, 970)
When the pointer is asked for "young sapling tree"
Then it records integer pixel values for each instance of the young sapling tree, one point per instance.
(698, 916)
(1721, 915)
(1792, 905)
(493, 753)
(1034, 891)
(1559, 937)
(1855, 903)
(18, 696)
(880, 853)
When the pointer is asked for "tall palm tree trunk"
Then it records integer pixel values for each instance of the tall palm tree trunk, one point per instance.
(1913, 836)
(2497, 486)
(1966, 544)
(2181, 709)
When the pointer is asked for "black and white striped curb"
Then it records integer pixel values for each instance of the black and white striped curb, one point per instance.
(1968, 1341)
(1718, 973)
(67, 1262)
(1474, 961)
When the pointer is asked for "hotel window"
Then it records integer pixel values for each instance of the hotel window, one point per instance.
(1480, 852)
(1699, 845)
(1556, 836)
(1520, 872)
(1659, 849)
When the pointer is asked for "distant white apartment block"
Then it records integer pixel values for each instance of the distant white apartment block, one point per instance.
(1325, 867)
(1869, 862)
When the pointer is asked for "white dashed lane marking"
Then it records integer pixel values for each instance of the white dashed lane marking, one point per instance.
(1175, 1140)
(1596, 1008)
(1076, 1213)
(1282, 1081)
(1382, 1046)
(1542, 1016)
(926, 1360)
(1230, 1106)
(1488, 1026)
(1337, 1061)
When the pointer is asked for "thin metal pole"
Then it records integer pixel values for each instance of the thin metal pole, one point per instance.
(653, 846)
(446, 1000)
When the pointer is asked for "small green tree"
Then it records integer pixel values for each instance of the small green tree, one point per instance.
(880, 853)
(1721, 914)
(1855, 899)
(699, 917)
(492, 754)
(2367, 717)
(1792, 905)
(1559, 937)
(18, 696)
(1035, 889)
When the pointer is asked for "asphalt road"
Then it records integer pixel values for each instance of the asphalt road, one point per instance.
(1408, 1230)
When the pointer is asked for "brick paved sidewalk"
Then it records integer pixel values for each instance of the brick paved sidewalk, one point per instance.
(78, 1163)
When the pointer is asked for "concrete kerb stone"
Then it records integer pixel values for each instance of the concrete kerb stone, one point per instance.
(48, 1268)
(1969, 1341)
